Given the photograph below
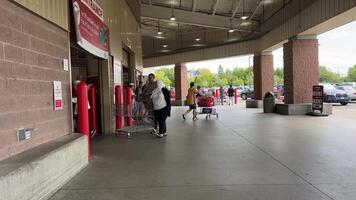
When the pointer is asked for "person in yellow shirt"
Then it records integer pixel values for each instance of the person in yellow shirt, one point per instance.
(191, 101)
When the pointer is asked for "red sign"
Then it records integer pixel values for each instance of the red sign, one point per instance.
(92, 33)
(57, 95)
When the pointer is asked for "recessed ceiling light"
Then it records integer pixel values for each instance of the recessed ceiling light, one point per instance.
(197, 39)
(165, 45)
(159, 37)
(198, 45)
(244, 17)
(172, 18)
(245, 23)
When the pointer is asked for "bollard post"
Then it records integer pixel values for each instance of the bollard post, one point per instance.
(83, 118)
(128, 103)
(92, 112)
(118, 103)
(236, 95)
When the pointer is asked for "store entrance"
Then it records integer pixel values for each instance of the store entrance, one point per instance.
(87, 67)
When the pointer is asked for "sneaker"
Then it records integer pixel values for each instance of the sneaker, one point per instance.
(195, 118)
(154, 131)
(164, 134)
(159, 135)
(184, 116)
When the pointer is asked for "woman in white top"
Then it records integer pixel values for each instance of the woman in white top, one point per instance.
(160, 108)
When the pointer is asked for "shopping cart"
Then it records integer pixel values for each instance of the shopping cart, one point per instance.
(142, 119)
(206, 107)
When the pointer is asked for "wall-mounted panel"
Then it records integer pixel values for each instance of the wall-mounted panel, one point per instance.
(55, 11)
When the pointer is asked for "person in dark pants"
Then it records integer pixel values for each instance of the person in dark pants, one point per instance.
(147, 90)
(160, 108)
(231, 93)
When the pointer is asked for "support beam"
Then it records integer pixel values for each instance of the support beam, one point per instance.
(194, 3)
(186, 17)
(235, 8)
(181, 83)
(262, 74)
(215, 6)
(257, 7)
(301, 70)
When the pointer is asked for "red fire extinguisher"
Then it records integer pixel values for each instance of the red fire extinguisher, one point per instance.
(83, 119)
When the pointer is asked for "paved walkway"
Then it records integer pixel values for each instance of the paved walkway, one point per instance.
(244, 155)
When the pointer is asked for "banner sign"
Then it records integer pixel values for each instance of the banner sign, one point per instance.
(92, 33)
(57, 95)
(318, 97)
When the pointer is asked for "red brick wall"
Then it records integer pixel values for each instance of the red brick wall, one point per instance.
(181, 78)
(301, 70)
(31, 54)
(262, 75)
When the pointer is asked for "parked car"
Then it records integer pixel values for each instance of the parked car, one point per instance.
(349, 90)
(246, 94)
(334, 95)
(240, 89)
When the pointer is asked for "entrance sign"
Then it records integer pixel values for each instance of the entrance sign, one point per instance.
(57, 95)
(318, 97)
(92, 33)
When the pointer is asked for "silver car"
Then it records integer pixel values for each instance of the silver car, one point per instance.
(349, 90)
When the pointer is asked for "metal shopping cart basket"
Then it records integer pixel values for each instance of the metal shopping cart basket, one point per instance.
(142, 119)
(206, 107)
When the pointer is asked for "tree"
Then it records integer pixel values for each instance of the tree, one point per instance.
(278, 76)
(326, 76)
(244, 75)
(160, 75)
(351, 75)
(205, 78)
(166, 75)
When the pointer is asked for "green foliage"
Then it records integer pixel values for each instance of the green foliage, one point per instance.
(244, 76)
(278, 76)
(351, 75)
(166, 75)
(205, 78)
(326, 76)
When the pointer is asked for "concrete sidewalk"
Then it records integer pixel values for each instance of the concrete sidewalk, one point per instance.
(243, 155)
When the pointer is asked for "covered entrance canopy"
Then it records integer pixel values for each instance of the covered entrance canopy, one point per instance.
(179, 31)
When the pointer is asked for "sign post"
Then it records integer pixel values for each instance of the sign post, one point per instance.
(318, 98)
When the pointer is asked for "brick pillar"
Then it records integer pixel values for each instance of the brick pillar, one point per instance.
(263, 74)
(181, 83)
(301, 69)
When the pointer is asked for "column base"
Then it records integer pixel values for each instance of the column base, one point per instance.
(252, 103)
(178, 102)
(300, 109)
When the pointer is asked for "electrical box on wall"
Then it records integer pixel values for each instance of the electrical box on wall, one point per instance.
(23, 134)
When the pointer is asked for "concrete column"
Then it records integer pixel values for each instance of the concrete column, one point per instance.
(263, 74)
(181, 83)
(301, 69)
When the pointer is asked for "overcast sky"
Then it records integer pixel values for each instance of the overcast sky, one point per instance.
(337, 51)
